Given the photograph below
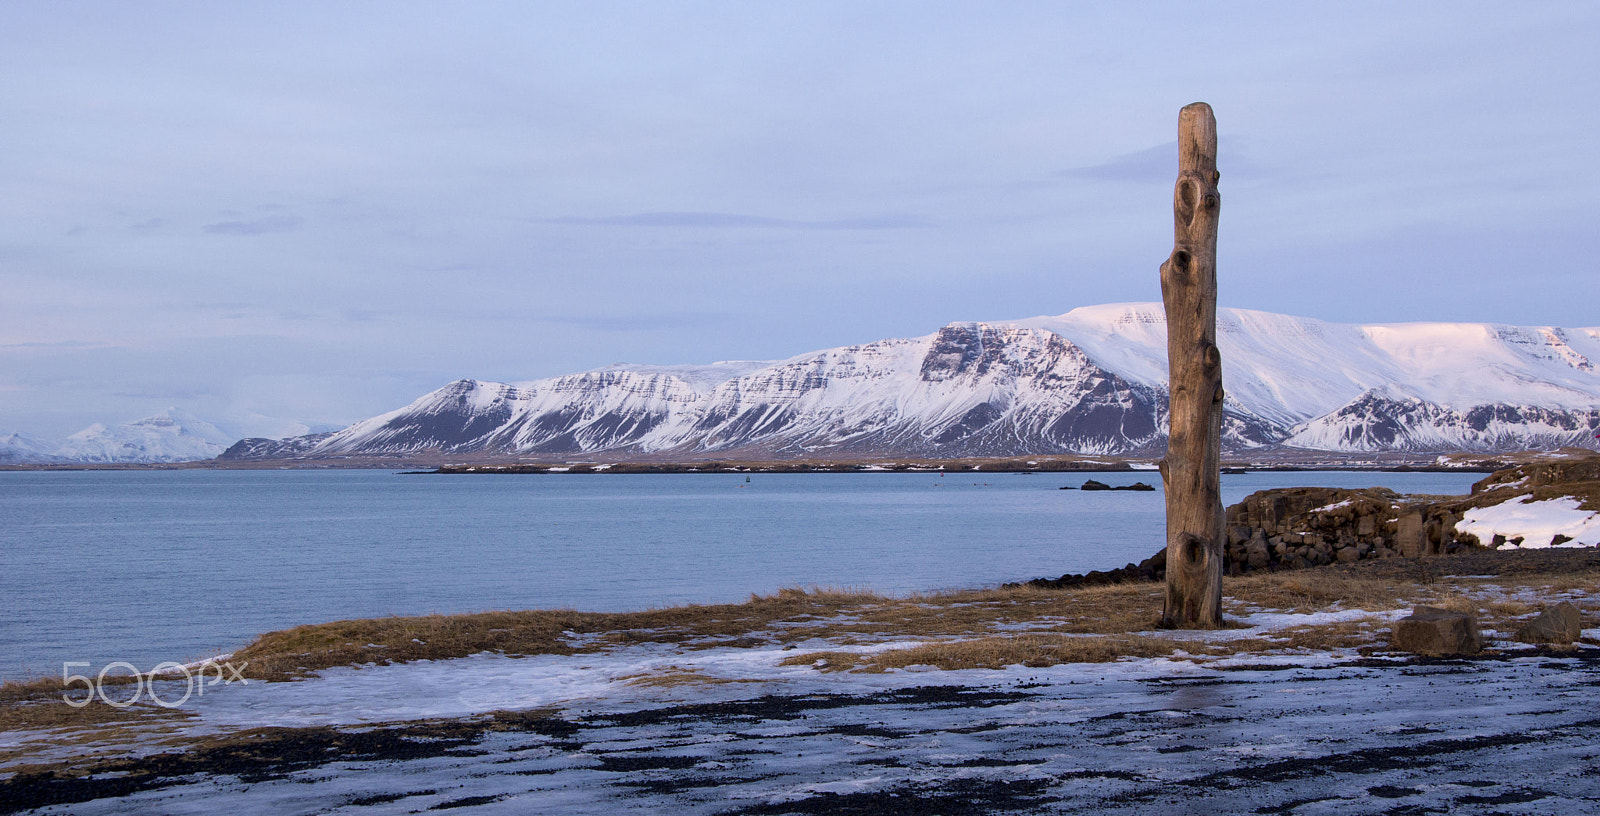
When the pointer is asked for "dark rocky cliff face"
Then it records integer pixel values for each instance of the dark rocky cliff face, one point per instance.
(257, 449)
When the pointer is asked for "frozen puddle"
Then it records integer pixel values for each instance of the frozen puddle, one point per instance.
(729, 731)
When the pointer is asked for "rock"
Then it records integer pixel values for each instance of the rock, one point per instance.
(1094, 485)
(1367, 526)
(1347, 555)
(1135, 486)
(1433, 631)
(1558, 624)
(1256, 553)
(1409, 534)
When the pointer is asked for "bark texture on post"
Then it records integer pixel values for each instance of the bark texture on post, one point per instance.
(1192, 468)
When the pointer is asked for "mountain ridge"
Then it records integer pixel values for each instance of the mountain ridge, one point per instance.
(1091, 381)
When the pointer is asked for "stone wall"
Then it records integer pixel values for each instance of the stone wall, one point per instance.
(1298, 527)
(1310, 526)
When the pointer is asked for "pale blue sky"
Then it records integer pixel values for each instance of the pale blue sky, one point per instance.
(319, 211)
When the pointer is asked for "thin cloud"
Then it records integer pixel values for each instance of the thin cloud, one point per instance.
(60, 344)
(1155, 164)
(257, 226)
(1159, 164)
(641, 322)
(712, 220)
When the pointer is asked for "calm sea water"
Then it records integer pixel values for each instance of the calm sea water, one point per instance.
(149, 566)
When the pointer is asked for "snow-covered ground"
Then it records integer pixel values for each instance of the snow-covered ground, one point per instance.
(1534, 524)
(660, 729)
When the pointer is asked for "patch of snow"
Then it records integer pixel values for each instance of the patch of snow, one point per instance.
(1537, 523)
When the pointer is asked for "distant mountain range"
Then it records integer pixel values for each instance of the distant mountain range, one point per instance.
(1090, 381)
(169, 436)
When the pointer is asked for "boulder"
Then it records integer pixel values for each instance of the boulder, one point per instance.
(1557, 624)
(1255, 553)
(1433, 631)
(1408, 534)
(1367, 526)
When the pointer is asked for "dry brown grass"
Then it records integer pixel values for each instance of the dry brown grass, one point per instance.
(37, 704)
(1025, 616)
(1588, 580)
(1313, 590)
(788, 616)
(1511, 609)
(303, 649)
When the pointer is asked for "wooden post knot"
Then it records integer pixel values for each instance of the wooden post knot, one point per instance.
(1191, 552)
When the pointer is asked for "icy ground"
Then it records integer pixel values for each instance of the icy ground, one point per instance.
(652, 728)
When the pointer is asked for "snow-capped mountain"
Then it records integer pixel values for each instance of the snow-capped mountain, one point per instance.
(18, 449)
(170, 436)
(1089, 381)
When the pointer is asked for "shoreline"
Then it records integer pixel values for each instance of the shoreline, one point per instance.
(843, 703)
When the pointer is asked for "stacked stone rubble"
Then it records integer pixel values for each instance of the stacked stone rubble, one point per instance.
(1310, 526)
(1300, 527)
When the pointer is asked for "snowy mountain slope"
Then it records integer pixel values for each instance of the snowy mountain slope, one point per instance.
(1089, 381)
(1407, 386)
(170, 436)
(18, 449)
(1381, 419)
(1293, 369)
(970, 387)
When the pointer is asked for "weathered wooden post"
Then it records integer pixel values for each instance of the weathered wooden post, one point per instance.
(1192, 468)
